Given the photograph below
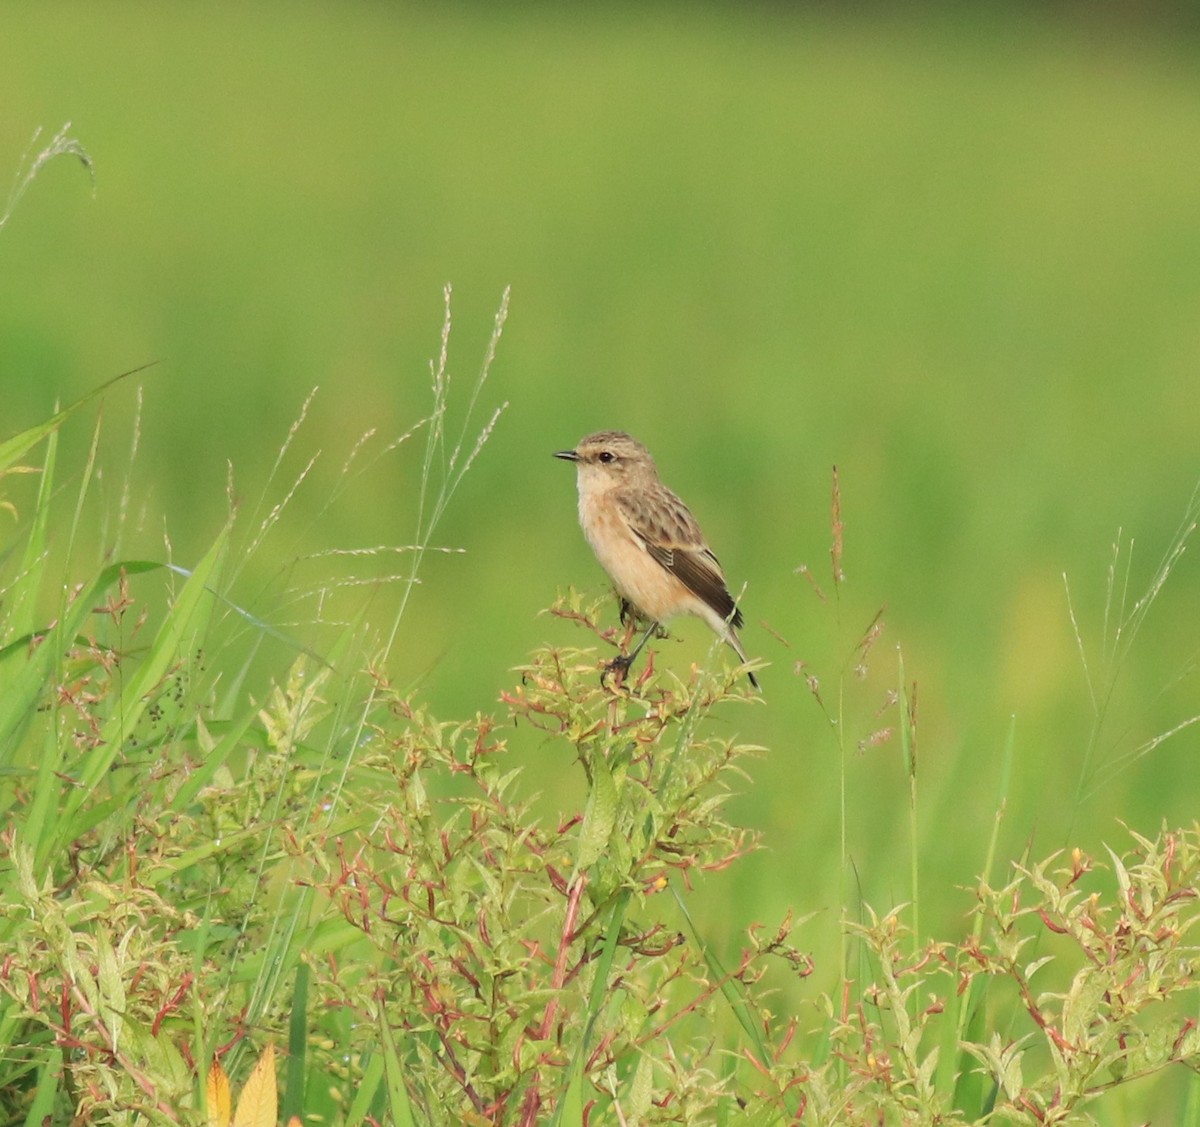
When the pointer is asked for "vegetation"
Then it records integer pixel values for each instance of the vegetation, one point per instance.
(193, 878)
(951, 883)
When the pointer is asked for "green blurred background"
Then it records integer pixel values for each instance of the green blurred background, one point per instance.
(956, 255)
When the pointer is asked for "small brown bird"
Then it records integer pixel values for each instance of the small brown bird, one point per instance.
(648, 542)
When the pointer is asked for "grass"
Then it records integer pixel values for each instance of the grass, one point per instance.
(921, 303)
(147, 793)
(198, 870)
(948, 256)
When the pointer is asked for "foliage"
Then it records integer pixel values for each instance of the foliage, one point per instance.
(1061, 995)
(430, 950)
(512, 956)
(210, 852)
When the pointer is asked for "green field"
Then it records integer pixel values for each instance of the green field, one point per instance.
(958, 258)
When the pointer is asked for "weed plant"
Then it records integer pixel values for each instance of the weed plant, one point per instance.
(211, 851)
(189, 874)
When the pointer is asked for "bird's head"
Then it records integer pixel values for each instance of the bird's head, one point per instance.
(610, 458)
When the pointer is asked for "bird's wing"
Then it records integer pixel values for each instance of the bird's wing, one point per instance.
(662, 524)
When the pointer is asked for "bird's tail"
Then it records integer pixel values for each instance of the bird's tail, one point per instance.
(735, 644)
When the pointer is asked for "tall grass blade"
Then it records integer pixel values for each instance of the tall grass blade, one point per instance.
(32, 674)
(294, 1086)
(398, 1102)
(42, 1108)
(365, 1092)
(20, 444)
(597, 997)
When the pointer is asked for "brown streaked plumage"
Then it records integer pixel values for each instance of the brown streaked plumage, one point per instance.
(647, 540)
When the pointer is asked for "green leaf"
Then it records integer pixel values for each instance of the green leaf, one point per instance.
(31, 666)
(293, 1092)
(398, 1101)
(112, 989)
(641, 1090)
(20, 444)
(173, 642)
(571, 1111)
(599, 816)
(170, 645)
(598, 998)
(42, 1108)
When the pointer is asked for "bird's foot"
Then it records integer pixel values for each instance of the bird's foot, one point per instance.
(618, 668)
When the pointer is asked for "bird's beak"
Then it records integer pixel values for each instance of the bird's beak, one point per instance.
(567, 455)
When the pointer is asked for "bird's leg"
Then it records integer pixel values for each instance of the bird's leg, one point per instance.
(623, 662)
(629, 616)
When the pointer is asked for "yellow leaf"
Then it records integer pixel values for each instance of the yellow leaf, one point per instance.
(257, 1106)
(216, 1091)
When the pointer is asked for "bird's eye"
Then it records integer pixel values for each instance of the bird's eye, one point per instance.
(606, 456)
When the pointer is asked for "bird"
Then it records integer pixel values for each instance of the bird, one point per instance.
(648, 542)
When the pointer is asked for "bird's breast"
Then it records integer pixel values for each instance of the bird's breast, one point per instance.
(634, 572)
